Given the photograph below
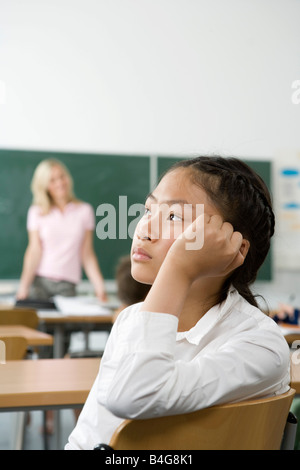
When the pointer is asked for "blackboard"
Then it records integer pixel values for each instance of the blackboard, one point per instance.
(98, 179)
(264, 169)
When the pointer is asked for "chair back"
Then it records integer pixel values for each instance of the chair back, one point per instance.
(19, 316)
(13, 348)
(248, 425)
(291, 338)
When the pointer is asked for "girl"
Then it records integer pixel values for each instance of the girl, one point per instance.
(60, 232)
(199, 338)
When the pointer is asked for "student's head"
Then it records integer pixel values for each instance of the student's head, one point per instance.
(129, 290)
(50, 184)
(226, 186)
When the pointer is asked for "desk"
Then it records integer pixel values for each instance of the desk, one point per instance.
(289, 327)
(291, 334)
(60, 322)
(33, 337)
(46, 383)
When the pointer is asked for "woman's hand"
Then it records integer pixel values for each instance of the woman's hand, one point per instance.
(22, 293)
(101, 294)
(221, 251)
(91, 266)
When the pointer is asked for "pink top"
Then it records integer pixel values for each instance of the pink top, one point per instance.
(61, 234)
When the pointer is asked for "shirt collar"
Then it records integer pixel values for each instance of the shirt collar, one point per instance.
(210, 318)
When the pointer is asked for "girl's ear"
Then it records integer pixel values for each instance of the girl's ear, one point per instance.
(245, 247)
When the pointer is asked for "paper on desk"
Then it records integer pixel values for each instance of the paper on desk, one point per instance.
(7, 288)
(80, 305)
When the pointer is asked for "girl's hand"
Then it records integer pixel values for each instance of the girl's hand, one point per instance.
(223, 249)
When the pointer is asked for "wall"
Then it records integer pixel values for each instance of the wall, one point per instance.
(166, 76)
(150, 76)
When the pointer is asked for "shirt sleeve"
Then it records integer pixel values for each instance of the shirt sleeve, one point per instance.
(89, 217)
(140, 377)
(33, 218)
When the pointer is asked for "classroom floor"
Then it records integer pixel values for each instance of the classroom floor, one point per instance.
(33, 437)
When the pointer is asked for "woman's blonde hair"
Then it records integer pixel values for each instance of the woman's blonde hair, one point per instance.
(40, 182)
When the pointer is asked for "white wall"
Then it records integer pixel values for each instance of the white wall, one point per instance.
(151, 76)
(159, 76)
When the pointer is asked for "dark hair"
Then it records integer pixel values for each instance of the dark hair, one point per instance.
(244, 200)
(129, 290)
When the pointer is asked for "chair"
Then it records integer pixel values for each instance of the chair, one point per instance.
(293, 340)
(249, 425)
(15, 347)
(19, 316)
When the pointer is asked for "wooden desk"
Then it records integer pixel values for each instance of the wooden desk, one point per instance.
(60, 322)
(32, 336)
(54, 317)
(46, 383)
(289, 327)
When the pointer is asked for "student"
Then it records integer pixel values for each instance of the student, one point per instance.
(60, 232)
(199, 338)
(285, 314)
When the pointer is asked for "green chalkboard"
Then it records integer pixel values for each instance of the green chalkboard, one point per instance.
(98, 179)
(264, 169)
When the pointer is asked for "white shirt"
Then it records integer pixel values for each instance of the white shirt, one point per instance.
(234, 352)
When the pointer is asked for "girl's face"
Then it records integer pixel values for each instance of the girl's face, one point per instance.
(168, 211)
(59, 184)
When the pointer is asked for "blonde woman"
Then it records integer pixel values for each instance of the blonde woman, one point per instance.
(60, 231)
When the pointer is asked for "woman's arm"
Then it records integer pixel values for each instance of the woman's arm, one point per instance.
(31, 261)
(91, 266)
